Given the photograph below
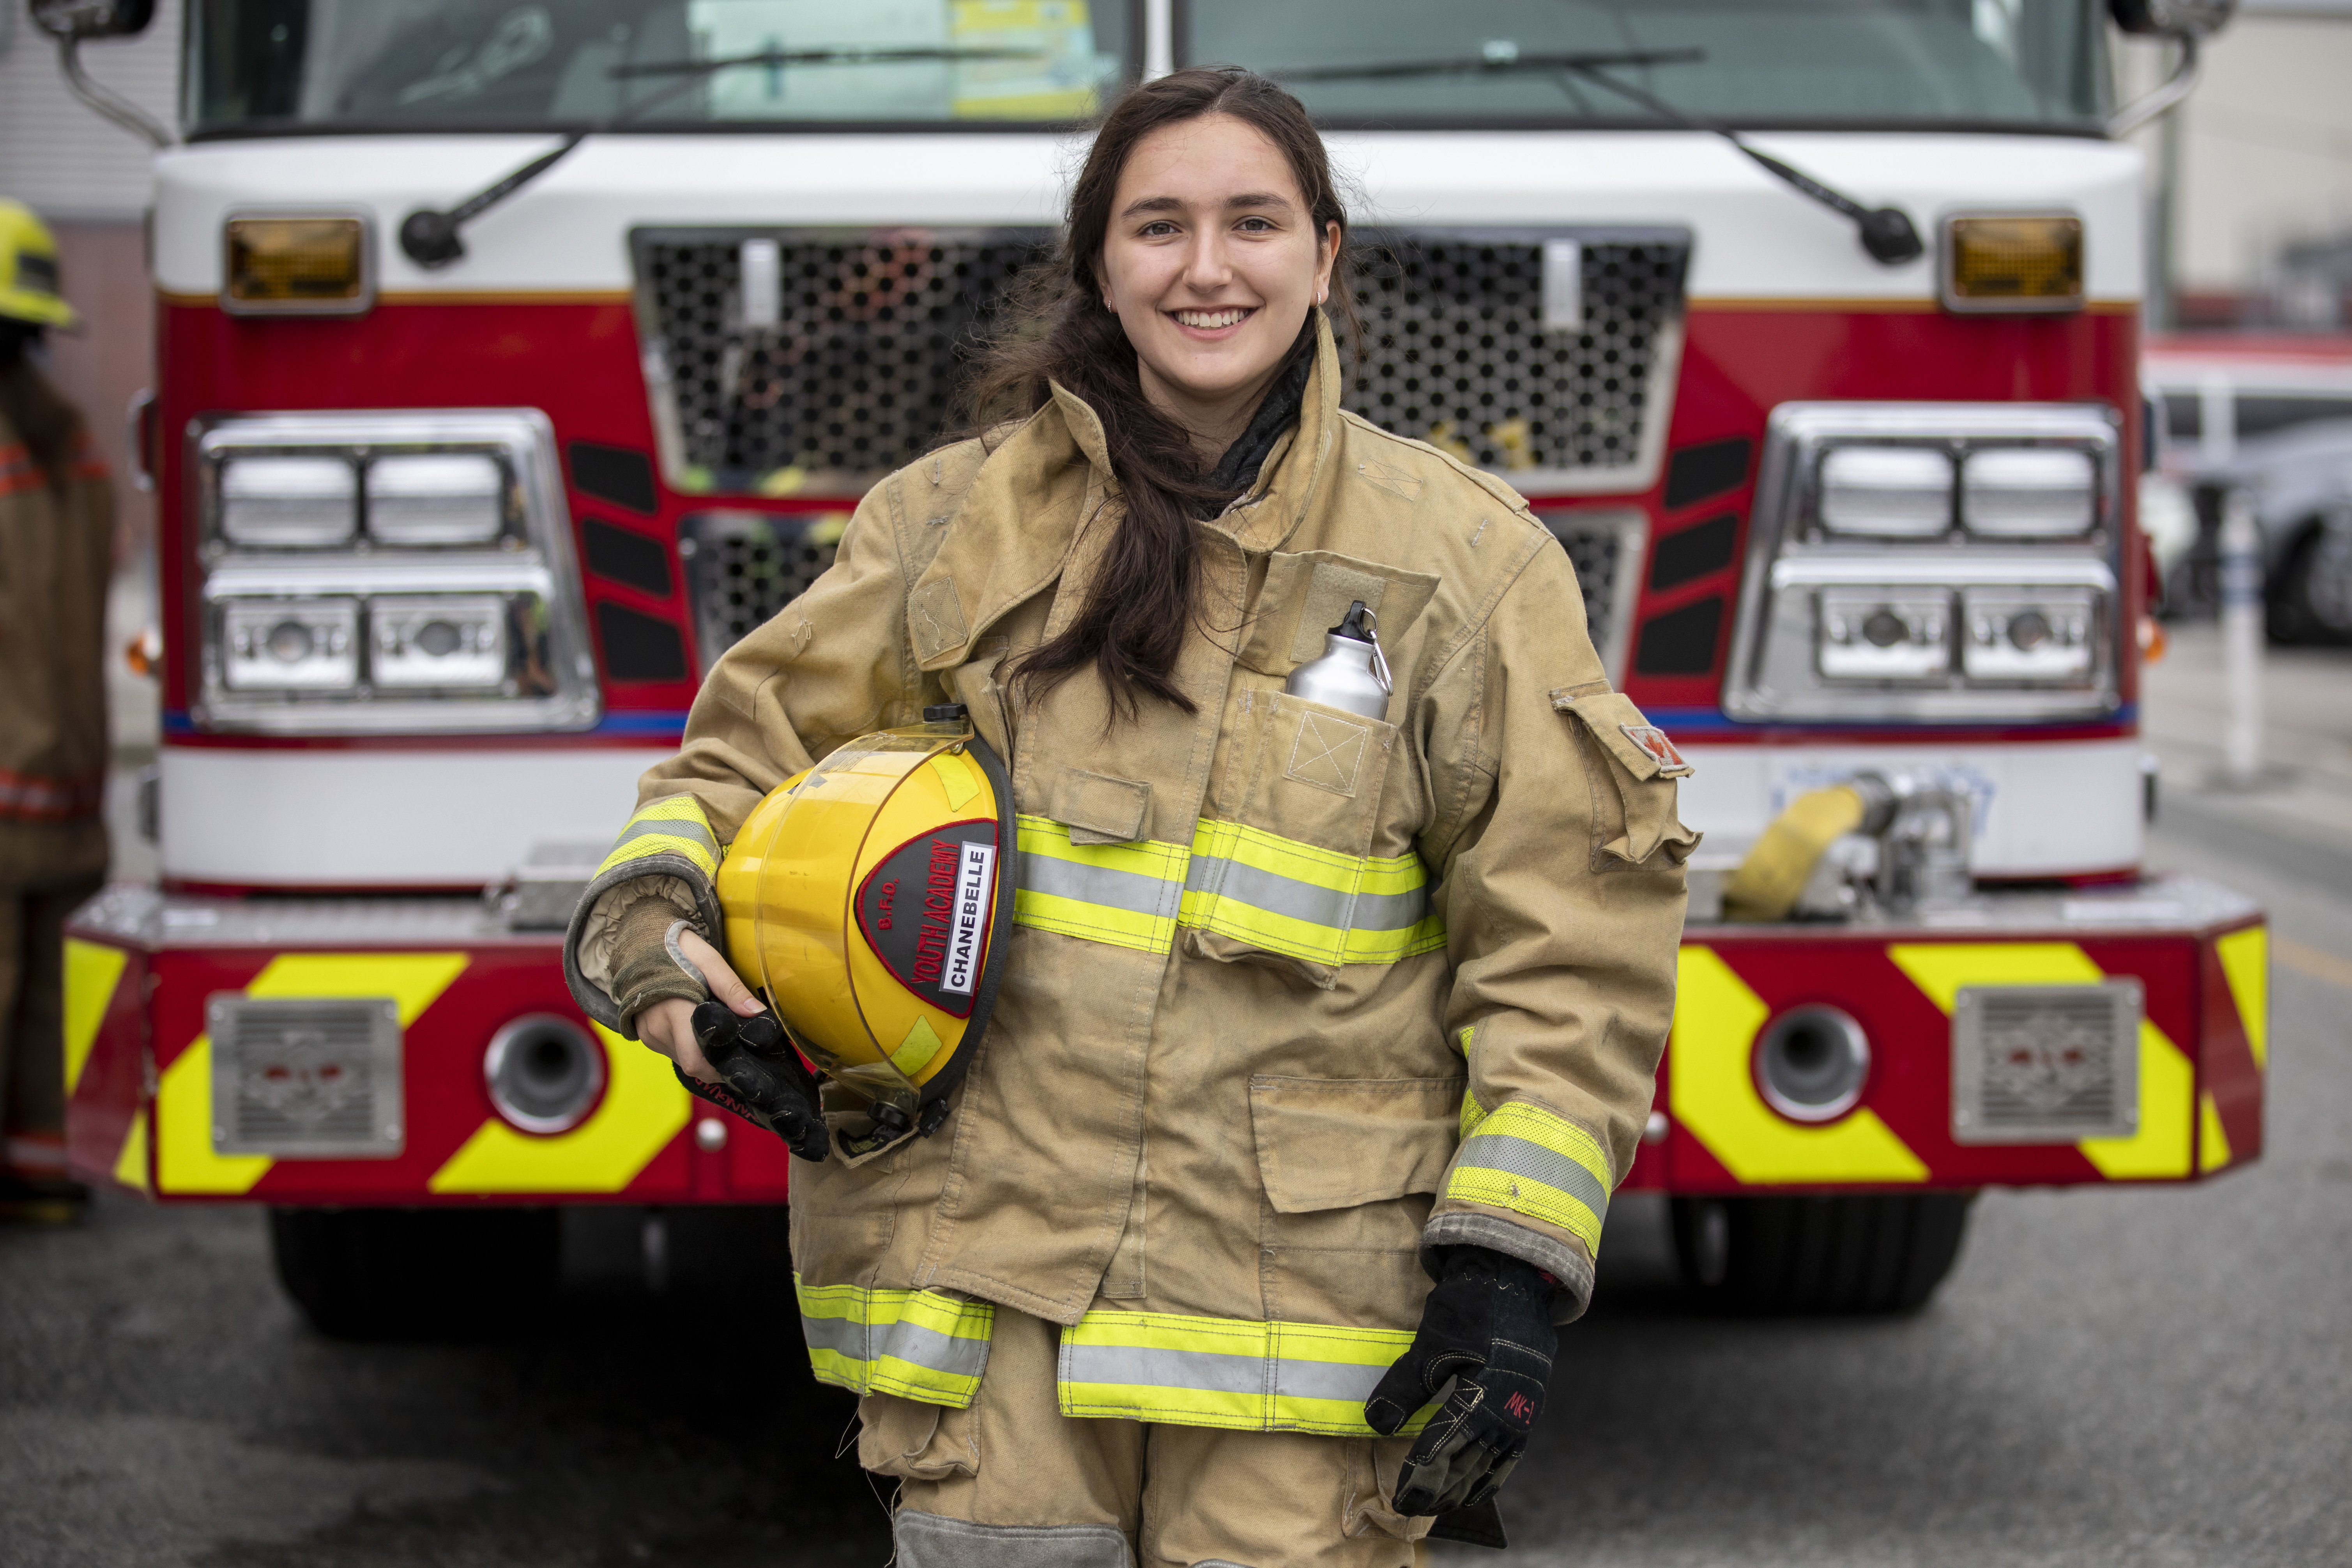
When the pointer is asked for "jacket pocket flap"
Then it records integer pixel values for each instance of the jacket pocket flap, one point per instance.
(1307, 595)
(1099, 809)
(1330, 1143)
(1640, 747)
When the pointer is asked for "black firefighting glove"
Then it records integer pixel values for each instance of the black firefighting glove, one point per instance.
(1488, 1326)
(767, 1083)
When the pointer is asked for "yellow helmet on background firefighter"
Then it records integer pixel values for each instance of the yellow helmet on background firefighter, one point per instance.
(29, 269)
(865, 896)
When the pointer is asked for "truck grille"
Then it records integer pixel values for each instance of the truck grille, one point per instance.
(303, 1076)
(830, 357)
(1457, 350)
(2045, 1064)
(838, 366)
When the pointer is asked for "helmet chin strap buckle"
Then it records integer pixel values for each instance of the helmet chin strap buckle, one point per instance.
(890, 1125)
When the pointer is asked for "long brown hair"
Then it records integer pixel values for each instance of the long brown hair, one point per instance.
(1055, 328)
(42, 416)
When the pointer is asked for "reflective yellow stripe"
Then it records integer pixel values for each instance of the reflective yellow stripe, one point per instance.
(1232, 1373)
(1123, 894)
(675, 826)
(919, 1344)
(1534, 1163)
(1244, 882)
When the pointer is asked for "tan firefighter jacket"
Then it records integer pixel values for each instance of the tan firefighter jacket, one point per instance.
(56, 549)
(1291, 994)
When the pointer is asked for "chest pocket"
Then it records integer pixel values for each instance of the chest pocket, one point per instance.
(1282, 870)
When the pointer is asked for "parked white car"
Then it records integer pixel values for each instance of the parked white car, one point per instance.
(2273, 418)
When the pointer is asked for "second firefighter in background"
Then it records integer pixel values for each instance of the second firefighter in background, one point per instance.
(1321, 1040)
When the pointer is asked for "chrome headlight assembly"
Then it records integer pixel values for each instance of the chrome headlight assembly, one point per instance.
(1933, 562)
(402, 572)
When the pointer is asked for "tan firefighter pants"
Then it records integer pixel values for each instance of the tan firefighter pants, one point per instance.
(1014, 1483)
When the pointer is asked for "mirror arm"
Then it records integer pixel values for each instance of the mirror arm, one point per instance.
(106, 100)
(2149, 106)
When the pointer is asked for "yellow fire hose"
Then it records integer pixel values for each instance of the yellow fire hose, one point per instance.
(1773, 875)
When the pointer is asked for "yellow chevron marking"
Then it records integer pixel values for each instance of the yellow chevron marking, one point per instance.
(92, 970)
(131, 1165)
(2246, 965)
(644, 1108)
(1714, 1097)
(185, 1161)
(2167, 1082)
(2212, 1143)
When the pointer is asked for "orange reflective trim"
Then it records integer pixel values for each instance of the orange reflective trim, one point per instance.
(48, 799)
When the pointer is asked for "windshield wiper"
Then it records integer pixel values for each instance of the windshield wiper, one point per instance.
(430, 239)
(1886, 233)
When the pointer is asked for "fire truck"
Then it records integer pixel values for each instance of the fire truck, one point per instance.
(516, 359)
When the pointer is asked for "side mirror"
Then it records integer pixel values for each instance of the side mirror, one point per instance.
(78, 20)
(2173, 18)
(2185, 22)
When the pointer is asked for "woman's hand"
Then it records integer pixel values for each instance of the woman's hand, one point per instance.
(668, 1024)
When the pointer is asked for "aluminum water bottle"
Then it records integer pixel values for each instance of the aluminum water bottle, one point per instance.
(1353, 673)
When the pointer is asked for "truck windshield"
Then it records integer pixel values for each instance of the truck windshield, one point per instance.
(2038, 64)
(258, 66)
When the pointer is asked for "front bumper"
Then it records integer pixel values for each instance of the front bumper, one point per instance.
(141, 969)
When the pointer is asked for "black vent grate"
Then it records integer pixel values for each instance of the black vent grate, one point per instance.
(742, 567)
(1456, 352)
(854, 376)
(1596, 552)
(871, 328)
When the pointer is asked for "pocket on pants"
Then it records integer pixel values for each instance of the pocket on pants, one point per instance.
(911, 1441)
(1372, 1467)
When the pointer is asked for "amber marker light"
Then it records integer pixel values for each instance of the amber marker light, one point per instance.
(296, 266)
(2013, 264)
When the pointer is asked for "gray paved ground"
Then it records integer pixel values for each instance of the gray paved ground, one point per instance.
(2159, 1377)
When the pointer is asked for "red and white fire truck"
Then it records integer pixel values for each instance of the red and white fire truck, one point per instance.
(516, 358)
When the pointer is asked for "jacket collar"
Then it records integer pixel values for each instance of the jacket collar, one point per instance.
(988, 570)
(1292, 476)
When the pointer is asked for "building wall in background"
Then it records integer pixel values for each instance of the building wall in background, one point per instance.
(57, 155)
(2266, 146)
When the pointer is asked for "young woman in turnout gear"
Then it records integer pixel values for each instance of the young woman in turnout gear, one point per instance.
(1301, 1011)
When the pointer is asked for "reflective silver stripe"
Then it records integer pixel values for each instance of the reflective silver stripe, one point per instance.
(1326, 1379)
(666, 827)
(901, 1339)
(1156, 1368)
(1286, 896)
(934, 1541)
(1129, 890)
(1518, 1157)
(1212, 1372)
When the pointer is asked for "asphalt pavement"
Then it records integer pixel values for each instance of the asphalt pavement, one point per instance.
(2146, 1377)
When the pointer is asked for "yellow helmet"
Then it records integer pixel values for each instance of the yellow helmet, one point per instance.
(29, 269)
(864, 896)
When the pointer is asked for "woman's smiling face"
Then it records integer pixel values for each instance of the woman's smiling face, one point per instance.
(1212, 261)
